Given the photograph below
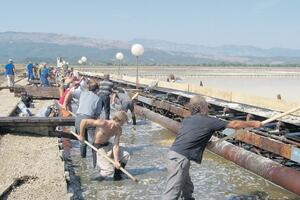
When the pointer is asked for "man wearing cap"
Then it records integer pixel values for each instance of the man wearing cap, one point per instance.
(105, 90)
(189, 145)
(106, 129)
(10, 73)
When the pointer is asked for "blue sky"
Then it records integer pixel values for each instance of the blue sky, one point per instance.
(261, 23)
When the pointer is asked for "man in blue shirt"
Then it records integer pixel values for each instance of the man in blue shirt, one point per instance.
(30, 71)
(44, 76)
(10, 73)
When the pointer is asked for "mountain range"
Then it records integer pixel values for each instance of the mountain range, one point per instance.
(37, 47)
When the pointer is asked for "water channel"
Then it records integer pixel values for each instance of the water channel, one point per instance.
(215, 178)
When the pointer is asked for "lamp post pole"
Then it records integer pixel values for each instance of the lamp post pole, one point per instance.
(137, 72)
(119, 57)
(119, 67)
(137, 50)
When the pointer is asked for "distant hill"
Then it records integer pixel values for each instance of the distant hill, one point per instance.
(227, 50)
(37, 47)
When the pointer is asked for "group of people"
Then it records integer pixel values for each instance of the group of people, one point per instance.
(34, 72)
(87, 98)
(191, 140)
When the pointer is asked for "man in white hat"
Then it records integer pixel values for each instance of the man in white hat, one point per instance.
(10, 73)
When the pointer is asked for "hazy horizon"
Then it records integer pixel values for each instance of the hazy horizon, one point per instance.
(260, 23)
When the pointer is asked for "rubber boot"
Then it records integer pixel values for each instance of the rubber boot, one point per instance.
(133, 120)
(118, 173)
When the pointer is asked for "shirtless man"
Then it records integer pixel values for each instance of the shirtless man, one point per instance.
(106, 129)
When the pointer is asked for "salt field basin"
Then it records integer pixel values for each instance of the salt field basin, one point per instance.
(215, 178)
(258, 81)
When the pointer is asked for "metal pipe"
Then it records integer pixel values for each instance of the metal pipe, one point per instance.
(283, 176)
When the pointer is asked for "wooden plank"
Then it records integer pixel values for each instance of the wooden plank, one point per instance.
(265, 143)
(36, 121)
(38, 92)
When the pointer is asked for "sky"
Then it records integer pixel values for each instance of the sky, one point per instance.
(260, 23)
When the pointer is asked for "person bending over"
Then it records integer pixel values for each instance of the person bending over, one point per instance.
(189, 145)
(125, 101)
(106, 129)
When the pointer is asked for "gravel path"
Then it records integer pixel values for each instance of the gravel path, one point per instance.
(35, 157)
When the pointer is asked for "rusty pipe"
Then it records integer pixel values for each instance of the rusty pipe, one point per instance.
(283, 176)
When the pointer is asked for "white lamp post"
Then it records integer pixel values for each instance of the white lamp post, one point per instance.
(137, 50)
(119, 57)
(83, 59)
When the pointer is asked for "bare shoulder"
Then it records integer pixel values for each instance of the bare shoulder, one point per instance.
(94, 122)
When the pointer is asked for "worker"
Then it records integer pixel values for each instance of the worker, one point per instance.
(107, 129)
(10, 72)
(45, 75)
(189, 145)
(40, 68)
(125, 101)
(105, 90)
(89, 108)
(30, 72)
(71, 98)
(66, 105)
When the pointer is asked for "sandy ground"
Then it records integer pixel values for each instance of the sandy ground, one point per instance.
(36, 157)
(8, 100)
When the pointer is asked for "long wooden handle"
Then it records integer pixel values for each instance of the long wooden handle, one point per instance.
(280, 115)
(264, 122)
(134, 96)
(104, 155)
(107, 158)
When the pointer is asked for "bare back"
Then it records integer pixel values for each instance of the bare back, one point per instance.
(106, 131)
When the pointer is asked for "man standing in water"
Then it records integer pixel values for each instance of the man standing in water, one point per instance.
(106, 129)
(189, 145)
(125, 101)
(89, 108)
(105, 90)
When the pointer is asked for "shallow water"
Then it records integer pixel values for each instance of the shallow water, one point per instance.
(215, 178)
(253, 85)
(258, 81)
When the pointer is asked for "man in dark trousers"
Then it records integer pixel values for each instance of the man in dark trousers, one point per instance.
(189, 145)
(105, 90)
